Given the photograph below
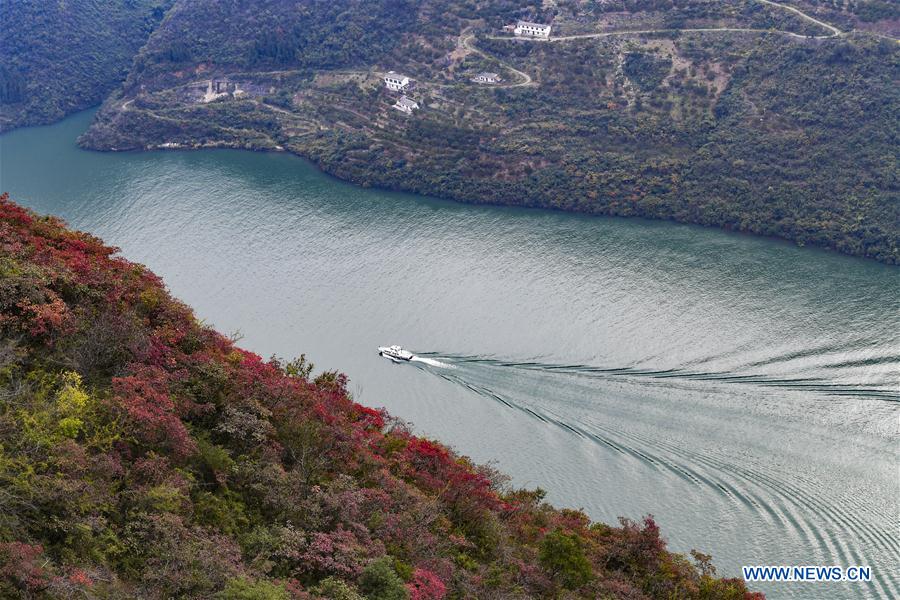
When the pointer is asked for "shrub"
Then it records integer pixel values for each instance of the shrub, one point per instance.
(335, 589)
(379, 581)
(425, 585)
(22, 569)
(241, 588)
(563, 556)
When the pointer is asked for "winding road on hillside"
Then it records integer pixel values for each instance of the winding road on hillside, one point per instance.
(466, 38)
(465, 42)
(586, 36)
(833, 31)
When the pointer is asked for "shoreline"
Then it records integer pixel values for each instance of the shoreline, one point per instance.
(399, 187)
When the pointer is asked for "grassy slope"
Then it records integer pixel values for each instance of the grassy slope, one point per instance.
(144, 455)
(61, 57)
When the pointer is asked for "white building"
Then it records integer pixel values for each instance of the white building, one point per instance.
(215, 90)
(395, 81)
(407, 105)
(222, 88)
(528, 29)
(487, 78)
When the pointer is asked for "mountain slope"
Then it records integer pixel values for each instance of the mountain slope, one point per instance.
(748, 114)
(61, 57)
(144, 455)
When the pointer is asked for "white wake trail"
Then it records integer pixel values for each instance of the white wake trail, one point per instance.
(432, 362)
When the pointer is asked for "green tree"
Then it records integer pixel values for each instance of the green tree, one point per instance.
(335, 589)
(241, 588)
(562, 555)
(379, 581)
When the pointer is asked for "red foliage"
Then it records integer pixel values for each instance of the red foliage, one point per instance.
(739, 584)
(21, 566)
(373, 417)
(79, 577)
(10, 211)
(322, 553)
(152, 469)
(432, 467)
(577, 521)
(45, 317)
(639, 547)
(150, 412)
(425, 585)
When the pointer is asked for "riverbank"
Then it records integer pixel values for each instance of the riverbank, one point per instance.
(672, 345)
(759, 139)
(223, 472)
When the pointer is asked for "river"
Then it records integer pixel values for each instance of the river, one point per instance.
(744, 391)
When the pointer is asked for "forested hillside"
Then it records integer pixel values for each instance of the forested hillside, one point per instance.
(750, 115)
(143, 455)
(60, 57)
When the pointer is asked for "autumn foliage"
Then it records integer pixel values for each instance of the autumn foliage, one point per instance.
(144, 455)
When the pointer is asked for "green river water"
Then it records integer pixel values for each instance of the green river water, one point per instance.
(744, 391)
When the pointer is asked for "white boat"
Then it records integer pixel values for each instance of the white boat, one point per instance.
(396, 353)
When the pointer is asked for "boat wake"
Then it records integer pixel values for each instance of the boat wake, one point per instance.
(888, 392)
(757, 448)
(431, 362)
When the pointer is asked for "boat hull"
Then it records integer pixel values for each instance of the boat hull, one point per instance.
(396, 355)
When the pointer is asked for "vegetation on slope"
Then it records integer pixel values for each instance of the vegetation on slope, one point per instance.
(144, 455)
(878, 16)
(269, 33)
(763, 121)
(61, 57)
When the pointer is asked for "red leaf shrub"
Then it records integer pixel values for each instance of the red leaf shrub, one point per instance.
(425, 585)
(149, 411)
(22, 567)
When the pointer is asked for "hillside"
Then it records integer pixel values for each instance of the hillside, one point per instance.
(143, 455)
(748, 114)
(61, 57)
